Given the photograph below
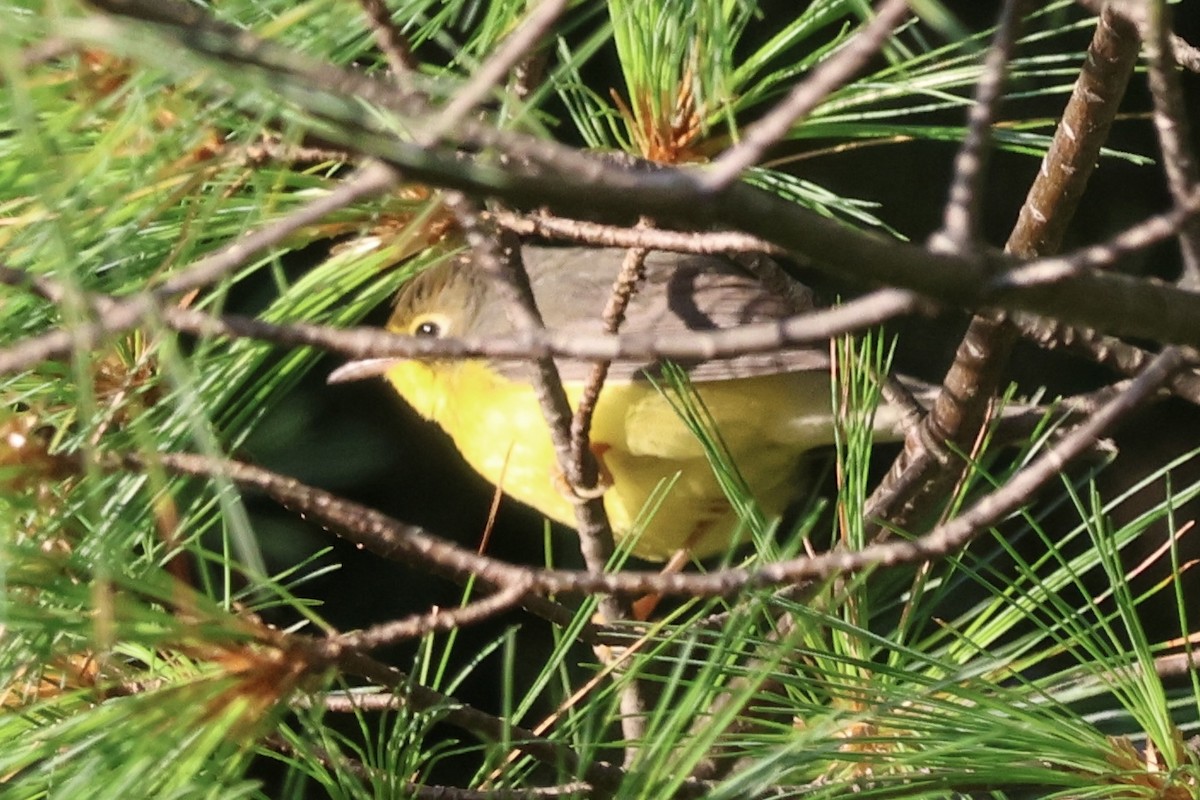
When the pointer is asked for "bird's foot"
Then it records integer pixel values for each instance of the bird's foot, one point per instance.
(582, 494)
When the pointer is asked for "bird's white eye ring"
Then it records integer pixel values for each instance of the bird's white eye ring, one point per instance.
(432, 326)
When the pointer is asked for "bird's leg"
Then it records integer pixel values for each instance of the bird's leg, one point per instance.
(604, 478)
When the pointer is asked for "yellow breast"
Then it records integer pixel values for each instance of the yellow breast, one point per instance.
(498, 427)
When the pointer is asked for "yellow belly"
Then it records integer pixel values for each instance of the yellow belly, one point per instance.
(766, 423)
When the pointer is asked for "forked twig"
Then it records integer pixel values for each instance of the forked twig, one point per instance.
(584, 472)
(922, 473)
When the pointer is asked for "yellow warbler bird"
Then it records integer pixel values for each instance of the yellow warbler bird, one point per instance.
(768, 409)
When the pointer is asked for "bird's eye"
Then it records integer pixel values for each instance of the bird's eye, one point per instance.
(427, 327)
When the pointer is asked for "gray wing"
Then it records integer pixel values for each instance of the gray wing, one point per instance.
(681, 293)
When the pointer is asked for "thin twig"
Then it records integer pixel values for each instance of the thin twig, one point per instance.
(950, 536)
(390, 39)
(511, 51)
(832, 73)
(960, 220)
(1174, 135)
(1177, 664)
(438, 619)
(1121, 357)
(273, 149)
(600, 235)
(797, 330)
(360, 343)
(199, 31)
(568, 791)
(1117, 304)
(119, 314)
(390, 539)
(1107, 254)
(337, 762)
(1109, 351)
(583, 473)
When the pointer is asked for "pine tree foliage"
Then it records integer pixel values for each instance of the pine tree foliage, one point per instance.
(150, 643)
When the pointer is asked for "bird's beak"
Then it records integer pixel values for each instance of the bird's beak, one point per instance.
(363, 368)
